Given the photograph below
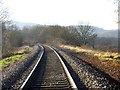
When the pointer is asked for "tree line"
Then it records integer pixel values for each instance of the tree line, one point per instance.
(80, 35)
(55, 34)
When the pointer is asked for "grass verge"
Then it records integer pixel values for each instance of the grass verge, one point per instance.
(101, 55)
(15, 58)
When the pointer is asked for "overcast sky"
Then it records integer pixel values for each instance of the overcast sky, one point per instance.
(65, 12)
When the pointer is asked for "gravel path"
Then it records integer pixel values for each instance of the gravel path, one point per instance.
(17, 73)
(90, 76)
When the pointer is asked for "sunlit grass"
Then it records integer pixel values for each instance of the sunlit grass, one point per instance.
(19, 54)
(15, 58)
(100, 54)
(112, 59)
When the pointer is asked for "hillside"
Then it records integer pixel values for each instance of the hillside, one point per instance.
(106, 33)
(22, 24)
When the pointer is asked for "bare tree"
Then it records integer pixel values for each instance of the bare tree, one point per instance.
(3, 21)
(87, 35)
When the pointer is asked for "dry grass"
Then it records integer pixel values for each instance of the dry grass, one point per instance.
(100, 54)
(23, 49)
(108, 62)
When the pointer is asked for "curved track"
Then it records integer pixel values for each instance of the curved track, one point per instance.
(49, 72)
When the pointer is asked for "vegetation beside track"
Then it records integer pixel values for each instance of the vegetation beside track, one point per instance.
(113, 56)
(108, 62)
(18, 55)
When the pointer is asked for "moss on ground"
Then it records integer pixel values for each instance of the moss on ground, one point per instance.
(108, 58)
(15, 58)
(17, 55)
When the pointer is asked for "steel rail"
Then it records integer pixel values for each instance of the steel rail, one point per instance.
(33, 68)
(70, 79)
(72, 83)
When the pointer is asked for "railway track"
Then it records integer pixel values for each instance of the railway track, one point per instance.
(49, 73)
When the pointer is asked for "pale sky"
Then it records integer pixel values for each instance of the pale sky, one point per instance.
(99, 13)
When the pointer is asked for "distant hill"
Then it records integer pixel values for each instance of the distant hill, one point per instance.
(22, 24)
(99, 31)
(106, 33)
